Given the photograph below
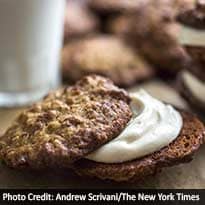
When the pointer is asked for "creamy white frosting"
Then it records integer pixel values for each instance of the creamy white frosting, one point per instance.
(153, 126)
(195, 86)
(191, 36)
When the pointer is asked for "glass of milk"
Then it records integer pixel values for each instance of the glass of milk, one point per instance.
(31, 34)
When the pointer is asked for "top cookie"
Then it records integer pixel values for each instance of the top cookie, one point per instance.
(66, 125)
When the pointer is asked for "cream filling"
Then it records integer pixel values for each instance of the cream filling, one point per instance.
(191, 36)
(195, 86)
(153, 126)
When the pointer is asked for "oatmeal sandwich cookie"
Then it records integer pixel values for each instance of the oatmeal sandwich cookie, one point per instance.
(66, 125)
(104, 55)
(157, 136)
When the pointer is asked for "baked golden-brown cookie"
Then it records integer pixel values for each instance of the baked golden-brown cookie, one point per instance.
(107, 56)
(180, 150)
(68, 124)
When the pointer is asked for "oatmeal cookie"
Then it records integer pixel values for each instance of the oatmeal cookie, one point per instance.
(67, 125)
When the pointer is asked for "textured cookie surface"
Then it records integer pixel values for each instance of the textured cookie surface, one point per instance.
(104, 55)
(66, 125)
(179, 151)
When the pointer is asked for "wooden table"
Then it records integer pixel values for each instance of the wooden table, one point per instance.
(191, 175)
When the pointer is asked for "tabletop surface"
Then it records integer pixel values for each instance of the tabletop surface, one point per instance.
(190, 175)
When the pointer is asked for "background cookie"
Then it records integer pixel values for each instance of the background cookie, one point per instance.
(79, 20)
(153, 31)
(66, 125)
(179, 151)
(194, 18)
(107, 7)
(119, 24)
(107, 56)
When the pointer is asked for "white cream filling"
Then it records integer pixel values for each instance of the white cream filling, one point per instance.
(195, 86)
(191, 36)
(153, 126)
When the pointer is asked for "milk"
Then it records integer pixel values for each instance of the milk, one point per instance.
(30, 41)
